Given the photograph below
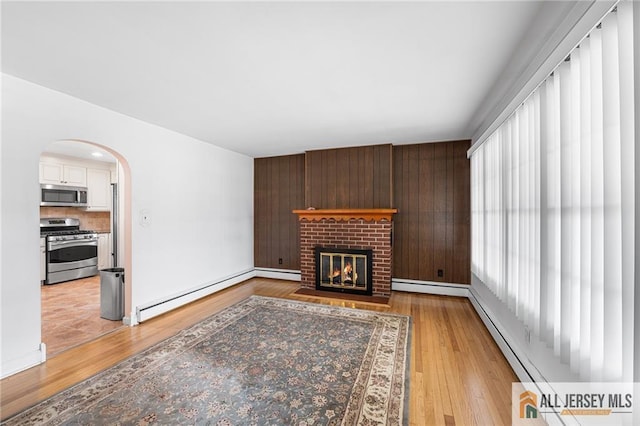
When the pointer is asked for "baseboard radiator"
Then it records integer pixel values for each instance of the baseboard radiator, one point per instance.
(430, 287)
(278, 274)
(156, 308)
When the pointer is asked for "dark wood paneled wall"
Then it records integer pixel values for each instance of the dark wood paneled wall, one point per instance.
(278, 189)
(432, 227)
(349, 178)
(428, 184)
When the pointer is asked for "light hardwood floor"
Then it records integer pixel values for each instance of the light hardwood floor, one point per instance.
(458, 375)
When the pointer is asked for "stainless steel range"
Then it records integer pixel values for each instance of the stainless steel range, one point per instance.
(71, 253)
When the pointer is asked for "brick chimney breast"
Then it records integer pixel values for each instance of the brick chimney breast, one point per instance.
(361, 229)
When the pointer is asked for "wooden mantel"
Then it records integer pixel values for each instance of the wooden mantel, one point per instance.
(346, 214)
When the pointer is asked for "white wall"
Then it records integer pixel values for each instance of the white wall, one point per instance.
(199, 197)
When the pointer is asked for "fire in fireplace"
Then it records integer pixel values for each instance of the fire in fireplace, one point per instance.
(344, 270)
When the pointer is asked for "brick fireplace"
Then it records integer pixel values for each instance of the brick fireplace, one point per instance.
(350, 229)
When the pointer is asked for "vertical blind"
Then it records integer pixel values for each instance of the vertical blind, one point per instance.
(552, 206)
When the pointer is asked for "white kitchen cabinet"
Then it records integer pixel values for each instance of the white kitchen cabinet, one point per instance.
(98, 190)
(43, 260)
(63, 174)
(104, 251)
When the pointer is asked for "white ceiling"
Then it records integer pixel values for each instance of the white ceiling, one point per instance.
(274, 78)
(78, 149)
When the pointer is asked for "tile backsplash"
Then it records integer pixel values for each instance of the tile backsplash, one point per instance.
(94, 221)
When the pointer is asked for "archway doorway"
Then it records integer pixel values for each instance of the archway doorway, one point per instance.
(72, 308)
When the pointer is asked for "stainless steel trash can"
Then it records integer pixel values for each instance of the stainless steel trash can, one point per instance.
(112, 293)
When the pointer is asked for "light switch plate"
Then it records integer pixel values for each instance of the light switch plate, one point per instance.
(145, 217)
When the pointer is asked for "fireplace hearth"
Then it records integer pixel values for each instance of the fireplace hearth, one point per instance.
(344, 270)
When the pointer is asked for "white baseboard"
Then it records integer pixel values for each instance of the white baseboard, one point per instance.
(24, 362)
(156, 308)
(152, 309)
(512, 357)
(278, 274)
(130, 321)
(430, 287)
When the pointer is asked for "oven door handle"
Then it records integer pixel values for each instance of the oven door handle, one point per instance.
(54, 244)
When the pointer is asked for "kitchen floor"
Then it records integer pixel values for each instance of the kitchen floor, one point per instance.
(71, 314)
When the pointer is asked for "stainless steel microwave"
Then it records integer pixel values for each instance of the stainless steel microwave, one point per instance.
(63, 196)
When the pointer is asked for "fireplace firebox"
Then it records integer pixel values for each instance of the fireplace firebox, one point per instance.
(344, 270)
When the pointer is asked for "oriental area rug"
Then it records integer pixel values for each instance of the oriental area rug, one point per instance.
(263, 361)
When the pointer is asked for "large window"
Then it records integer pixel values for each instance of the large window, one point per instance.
(553, 205)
